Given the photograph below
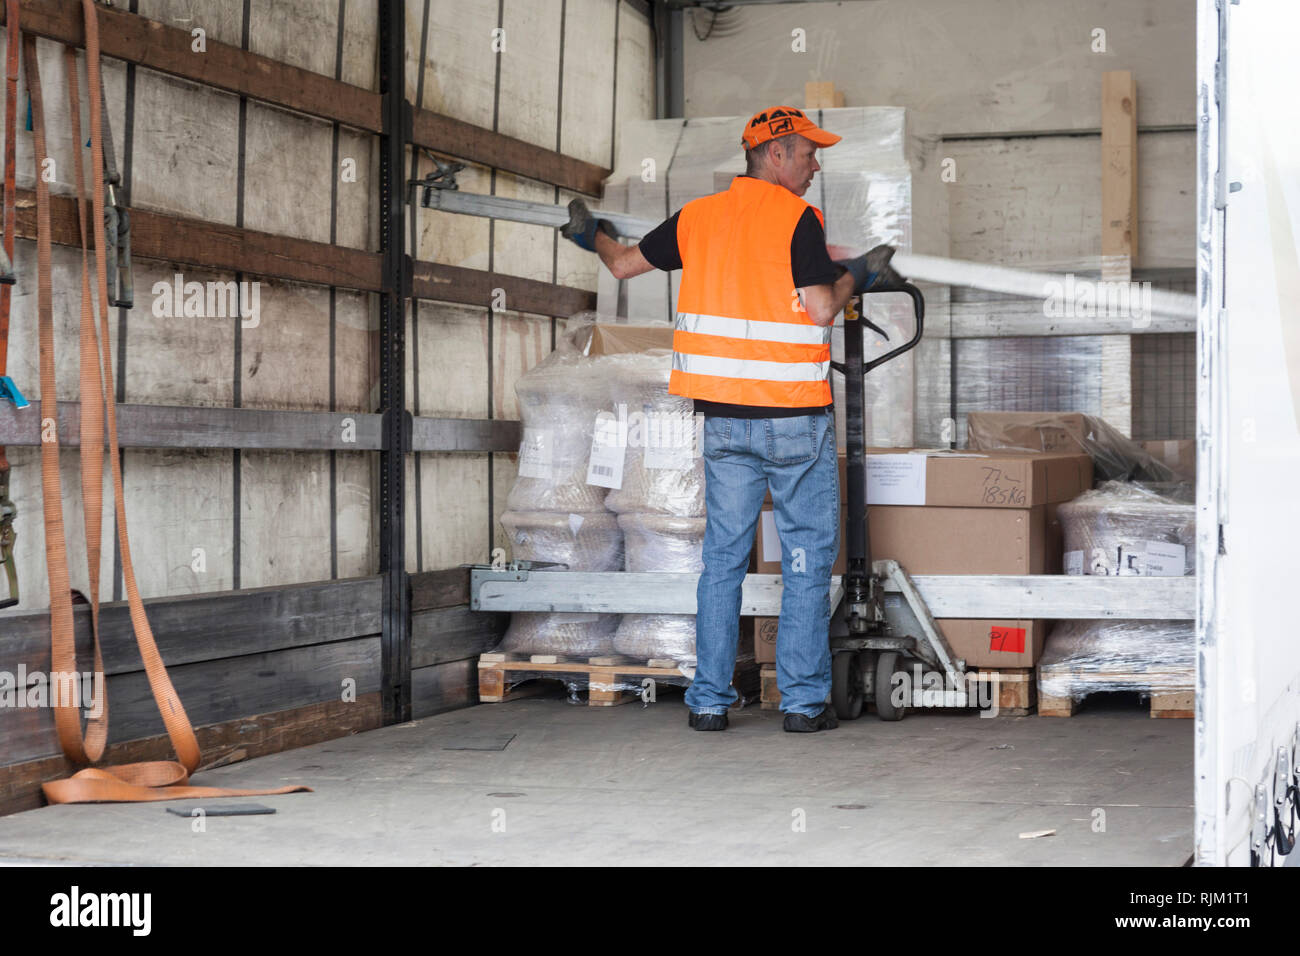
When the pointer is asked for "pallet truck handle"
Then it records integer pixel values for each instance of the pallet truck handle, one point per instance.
(918, 312)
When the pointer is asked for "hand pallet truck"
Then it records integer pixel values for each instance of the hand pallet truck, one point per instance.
(871, 633)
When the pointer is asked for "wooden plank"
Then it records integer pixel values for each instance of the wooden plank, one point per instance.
(465, 434)
(432, 280)
(172, 426)
(135, 39)
(454, 137)
(217, 246)
(443, 687)
(180, 426)
(167, 49)
(209, 627)
(221, 743)
(1118, 174)
(437, 589)
(212, 691)
(453, 634)
(221, 247)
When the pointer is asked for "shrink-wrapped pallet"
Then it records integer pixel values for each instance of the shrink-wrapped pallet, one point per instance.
(1084, 657)
(1125, 528)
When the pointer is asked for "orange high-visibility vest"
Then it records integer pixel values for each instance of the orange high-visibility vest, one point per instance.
(742, 336)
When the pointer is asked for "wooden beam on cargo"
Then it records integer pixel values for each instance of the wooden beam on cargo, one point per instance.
(445, 134)
(157, 46)
(432, 280)
(1118, 174)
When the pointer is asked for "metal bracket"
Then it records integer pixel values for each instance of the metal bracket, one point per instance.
(442, 176)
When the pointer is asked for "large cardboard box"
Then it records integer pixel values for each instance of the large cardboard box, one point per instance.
(982, 479)
(1012, 528)
(1045, 431)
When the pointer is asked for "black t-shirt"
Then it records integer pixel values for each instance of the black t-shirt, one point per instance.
(810, 265)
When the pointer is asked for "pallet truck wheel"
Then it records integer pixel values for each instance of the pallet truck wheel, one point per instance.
(886, 664)
(846, 685)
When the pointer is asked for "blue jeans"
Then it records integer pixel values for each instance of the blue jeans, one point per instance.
(742, 457)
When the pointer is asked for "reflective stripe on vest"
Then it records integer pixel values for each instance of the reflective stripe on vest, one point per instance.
(742, 336)
(754, 329)
(751, 368)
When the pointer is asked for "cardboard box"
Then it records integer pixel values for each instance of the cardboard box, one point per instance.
(995, 643)
(989, 479)
(762, 631)
(767, 545)
(996, 538)
(1034, 431)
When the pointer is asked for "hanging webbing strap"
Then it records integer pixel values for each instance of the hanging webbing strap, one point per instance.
(153, 780)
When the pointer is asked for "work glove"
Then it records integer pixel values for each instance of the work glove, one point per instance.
(872, 272)
(582, 225)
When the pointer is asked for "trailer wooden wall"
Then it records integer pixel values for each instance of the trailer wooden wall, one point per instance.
(260, 564)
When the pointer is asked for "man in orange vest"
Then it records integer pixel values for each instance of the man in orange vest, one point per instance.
(759, 294)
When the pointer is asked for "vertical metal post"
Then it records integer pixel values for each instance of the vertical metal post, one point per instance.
(395, 643)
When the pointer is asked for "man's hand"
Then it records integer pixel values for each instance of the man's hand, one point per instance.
(582, 226)
(872, 272)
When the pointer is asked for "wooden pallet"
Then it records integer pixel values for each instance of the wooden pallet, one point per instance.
(1016, 689)
(601, 675)
(1164, 703)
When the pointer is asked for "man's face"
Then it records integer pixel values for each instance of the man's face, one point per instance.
(795, 161)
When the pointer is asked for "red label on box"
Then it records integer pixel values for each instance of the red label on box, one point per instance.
(1007, 639)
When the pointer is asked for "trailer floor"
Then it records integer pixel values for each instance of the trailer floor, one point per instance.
(631, 784)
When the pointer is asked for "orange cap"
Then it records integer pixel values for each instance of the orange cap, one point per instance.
(781, 121)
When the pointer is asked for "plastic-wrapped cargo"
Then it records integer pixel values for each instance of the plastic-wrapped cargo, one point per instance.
(657, 636)
(1088, 656)
(583, 542)
(564, 634)
(1126, 528)
(879, 184)
(558, 402)
(1114, 457)
(663, 469)
(660, 543)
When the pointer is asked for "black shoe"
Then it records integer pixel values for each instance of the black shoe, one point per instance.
(799, 724)
(707, 721)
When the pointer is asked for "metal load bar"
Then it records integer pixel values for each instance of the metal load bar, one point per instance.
(1047, 596)
(441, 193)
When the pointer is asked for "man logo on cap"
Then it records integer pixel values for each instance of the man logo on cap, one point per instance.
(782, 121)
